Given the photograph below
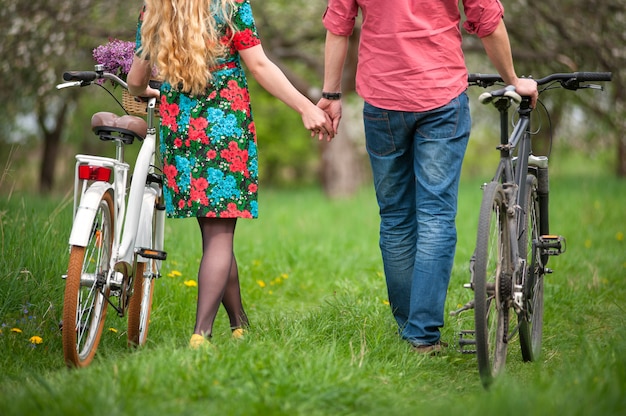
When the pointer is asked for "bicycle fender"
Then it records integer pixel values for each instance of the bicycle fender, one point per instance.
(86, 212)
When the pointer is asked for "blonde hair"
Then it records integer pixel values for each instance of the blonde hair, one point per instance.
(181, 38)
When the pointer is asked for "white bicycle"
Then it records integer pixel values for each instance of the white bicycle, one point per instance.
(116, 241)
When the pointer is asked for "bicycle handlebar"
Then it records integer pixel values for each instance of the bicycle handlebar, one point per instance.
(570, 81)
(82, 78)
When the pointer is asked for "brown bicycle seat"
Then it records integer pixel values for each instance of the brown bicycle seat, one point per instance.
(106, 122)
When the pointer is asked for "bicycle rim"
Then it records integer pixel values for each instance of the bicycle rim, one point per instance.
(140, 305)
(531, 317)
(85, 299)
(492, 261)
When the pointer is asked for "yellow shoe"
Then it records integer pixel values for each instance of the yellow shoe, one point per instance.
(198, 341)
(239, 333)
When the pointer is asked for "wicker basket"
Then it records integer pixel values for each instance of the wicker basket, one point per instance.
(137, 107)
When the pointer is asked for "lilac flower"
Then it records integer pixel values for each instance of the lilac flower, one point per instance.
(116, 56)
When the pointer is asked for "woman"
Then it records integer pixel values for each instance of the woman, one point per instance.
(208, 139)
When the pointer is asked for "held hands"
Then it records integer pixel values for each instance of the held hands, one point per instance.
(318, 122)
(333, 110)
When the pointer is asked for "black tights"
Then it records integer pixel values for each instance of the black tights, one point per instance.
(218, 277)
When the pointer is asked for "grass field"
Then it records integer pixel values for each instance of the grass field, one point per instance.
(322, 340)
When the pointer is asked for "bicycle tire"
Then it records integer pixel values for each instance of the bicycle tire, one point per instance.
(492, 260)
(140, 306)
(531, 315)
(85, 298)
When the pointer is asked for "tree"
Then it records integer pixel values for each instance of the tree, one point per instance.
(41, 39)
(590, 36)
(298, 50)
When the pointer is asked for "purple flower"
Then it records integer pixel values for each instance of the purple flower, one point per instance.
(116, 56)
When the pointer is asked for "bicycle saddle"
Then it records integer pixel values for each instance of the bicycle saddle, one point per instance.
(110, 126)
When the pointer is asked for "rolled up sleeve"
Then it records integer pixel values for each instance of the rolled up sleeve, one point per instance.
(340, 17)
(482, 16)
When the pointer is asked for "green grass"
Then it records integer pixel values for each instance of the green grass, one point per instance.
(322, 341)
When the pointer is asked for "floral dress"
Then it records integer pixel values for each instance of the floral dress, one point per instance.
(208, 142)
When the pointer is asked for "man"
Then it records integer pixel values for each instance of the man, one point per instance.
(412, 75)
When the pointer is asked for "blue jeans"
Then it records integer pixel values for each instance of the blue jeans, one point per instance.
(416, 162)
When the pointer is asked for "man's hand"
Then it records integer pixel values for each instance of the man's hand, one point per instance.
(333, 109)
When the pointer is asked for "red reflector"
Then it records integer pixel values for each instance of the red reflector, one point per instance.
(94, 173)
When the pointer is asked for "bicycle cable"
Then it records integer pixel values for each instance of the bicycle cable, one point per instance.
(112, 96)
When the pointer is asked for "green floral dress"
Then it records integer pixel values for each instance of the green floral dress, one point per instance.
(208, 142)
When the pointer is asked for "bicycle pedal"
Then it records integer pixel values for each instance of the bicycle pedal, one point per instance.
(467, 340)
(149, 253)
(552, 245)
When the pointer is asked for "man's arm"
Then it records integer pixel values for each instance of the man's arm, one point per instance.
(335, 50)
(498, 50)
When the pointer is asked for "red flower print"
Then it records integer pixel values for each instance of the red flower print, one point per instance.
(178, 143)
(197, 130)
(252, 188)
(238, 158)
(245, 39)
(170, 172)
(211, 154)
(233, 212)
(238, 97)
(197, 192)
(181, 204)
(168, 115)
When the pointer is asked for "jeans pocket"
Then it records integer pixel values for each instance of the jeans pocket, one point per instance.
(378, 133)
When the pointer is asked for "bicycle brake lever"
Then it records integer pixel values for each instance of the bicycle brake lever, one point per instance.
(68, 85)
(593, 87)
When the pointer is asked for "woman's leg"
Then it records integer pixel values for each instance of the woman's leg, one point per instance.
(216, 265)
(232, 299)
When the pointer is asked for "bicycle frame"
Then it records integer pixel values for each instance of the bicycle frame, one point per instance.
(511, 172)
(129, 216)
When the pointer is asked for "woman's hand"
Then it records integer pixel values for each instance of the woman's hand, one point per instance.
(318, 122)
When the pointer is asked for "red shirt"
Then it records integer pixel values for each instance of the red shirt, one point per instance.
(410, 56)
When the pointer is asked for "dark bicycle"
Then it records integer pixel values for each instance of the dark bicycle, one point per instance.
(513, 242)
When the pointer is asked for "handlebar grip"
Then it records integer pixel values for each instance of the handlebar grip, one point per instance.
(86, 76)
(488, 78)
(593, 76)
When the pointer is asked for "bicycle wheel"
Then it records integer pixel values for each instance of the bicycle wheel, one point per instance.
(492, 283)
(140, 304)
(531, 316)
(85, 300)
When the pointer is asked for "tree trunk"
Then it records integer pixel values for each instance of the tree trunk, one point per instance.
(344, 160)
(52, 139)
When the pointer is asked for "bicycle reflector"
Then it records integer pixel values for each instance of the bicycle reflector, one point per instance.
(94, 173)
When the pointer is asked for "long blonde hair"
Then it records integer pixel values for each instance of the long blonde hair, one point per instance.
(182, 39)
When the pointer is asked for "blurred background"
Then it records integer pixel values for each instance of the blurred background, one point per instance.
(41, 129)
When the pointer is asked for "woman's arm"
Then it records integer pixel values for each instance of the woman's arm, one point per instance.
(139, 77)
(276, 83)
